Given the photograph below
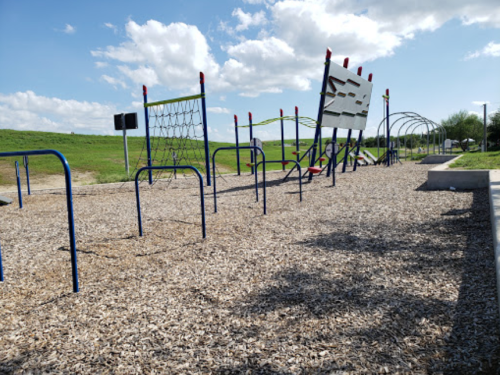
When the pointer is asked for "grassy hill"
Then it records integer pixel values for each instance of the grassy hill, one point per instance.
(102, 156)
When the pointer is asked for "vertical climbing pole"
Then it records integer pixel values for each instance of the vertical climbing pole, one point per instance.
(205, 129)
(237, 144)
(358, 145)
(25, 162)
(332, 163)
(282, 140)
(347, 146)
(251, 137)
(148, 141)
(19, 192)
(388, 157)
(297, 138)
(321, 106)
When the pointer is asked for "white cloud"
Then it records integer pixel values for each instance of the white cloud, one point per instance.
(113, 81)
(479, 102)
(101, 64)
(217, 110)
(171, 55)
(291, 43)
(28, 111)
(69, 29)
(111, 26)
(247, 19)
(491, 49)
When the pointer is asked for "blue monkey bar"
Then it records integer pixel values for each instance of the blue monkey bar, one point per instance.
(254, 148)
(284, 162)
(174, 167)
(69, 202)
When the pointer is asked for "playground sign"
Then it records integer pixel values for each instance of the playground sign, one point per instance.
(347, 99)
(256, 142)
(447, 143)
(331, 149)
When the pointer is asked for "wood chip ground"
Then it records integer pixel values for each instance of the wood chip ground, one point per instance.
(375, 275)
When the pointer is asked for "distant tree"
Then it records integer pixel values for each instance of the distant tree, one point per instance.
(494, 127)
(463, 126)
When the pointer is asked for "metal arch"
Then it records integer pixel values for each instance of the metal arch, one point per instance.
(415, 123)
(428, 122)
(415, 126)
(412, 115)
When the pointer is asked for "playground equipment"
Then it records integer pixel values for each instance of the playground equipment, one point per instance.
(19, 192)
(176, 129)
(349, 99)
(410, 121)
(255, 149)
(69, 203)
(202, 195)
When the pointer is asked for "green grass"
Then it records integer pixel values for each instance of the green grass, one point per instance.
(479, 160)
(103, 155)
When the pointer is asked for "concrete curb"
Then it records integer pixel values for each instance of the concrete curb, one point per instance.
(494, 190)
(441, 177)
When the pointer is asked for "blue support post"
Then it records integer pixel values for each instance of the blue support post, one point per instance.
(256, 187)
(170, 167)
(346, 150)
(251, 137)
(297, 138)
(148, 141)
(321, 106)
(25, 162)
(334, 142)
(388, 156)
(237, 144)
(205, 128)
(19, 192)
(282, 140)
(69, 202)
(1, 266)
(357, 149)
(297, 165)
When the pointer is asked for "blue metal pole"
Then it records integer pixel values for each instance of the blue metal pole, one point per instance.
(171, 167)
(282, 140)
(357, 149)
(334, 141)
(297, 138)
(19, 192)
(297, 164)
(256, 182)
(148, 141)
(251, 137)
(1, 266)
(388, 128)
(25, 162)
(237, 144)
(205, 128)
(321, 106)
(69, 201)
(346, 150)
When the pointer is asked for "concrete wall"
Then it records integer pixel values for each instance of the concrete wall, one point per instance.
(441, 177)
(437, 159)
(495, 221)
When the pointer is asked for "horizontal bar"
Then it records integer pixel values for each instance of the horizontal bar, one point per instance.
(184, 98)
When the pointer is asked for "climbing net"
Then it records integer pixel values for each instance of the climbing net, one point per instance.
(176, 136)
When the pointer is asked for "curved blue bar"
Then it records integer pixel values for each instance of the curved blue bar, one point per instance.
(69, 202)
(174, 167)
(297, 164)
(243, 148)
(19, 192)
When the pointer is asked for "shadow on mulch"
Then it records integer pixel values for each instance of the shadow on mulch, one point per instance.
(472, 347)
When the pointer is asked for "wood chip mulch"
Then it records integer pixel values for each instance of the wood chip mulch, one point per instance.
(375, 275)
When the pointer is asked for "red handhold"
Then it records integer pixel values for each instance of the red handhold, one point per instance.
(322, 159)
(370, 76)
(235, 118)
(250, 115)
(314, 170)
(360, 69)
(202, 78)
(346, 62)
(281, 113)
(285, 162)
(296, 110)
(144, 90)
(328, 53)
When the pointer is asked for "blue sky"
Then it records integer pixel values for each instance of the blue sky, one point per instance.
(69, 66)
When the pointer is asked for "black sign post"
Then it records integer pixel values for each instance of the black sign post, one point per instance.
(124, 121)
